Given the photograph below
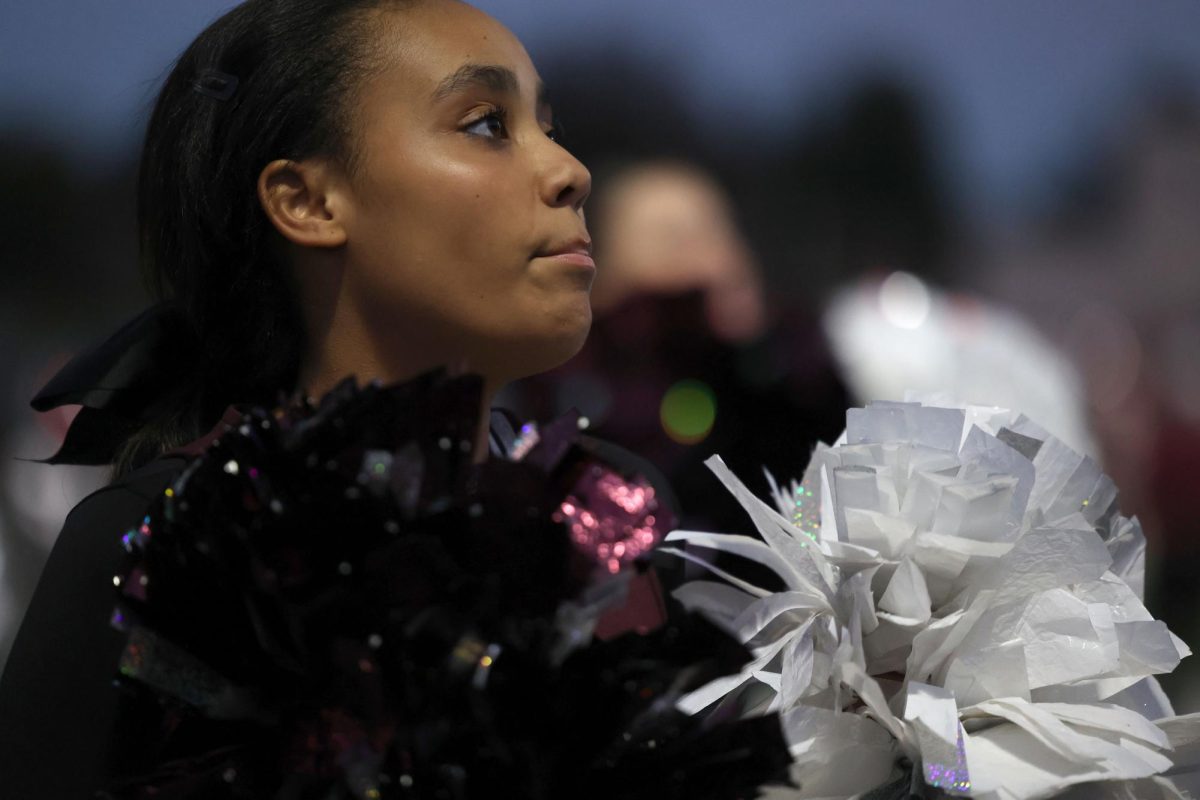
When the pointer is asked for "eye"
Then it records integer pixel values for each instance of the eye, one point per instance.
(555, 132)
(489, 126)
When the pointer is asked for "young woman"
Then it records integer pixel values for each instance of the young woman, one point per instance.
(328, 188)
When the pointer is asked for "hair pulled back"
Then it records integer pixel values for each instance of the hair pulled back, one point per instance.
(271, 79)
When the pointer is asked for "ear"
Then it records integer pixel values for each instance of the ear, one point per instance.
(301, 199)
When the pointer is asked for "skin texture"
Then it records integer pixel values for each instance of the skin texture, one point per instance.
(437, 247)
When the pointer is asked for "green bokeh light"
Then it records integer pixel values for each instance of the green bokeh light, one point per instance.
(688, 411)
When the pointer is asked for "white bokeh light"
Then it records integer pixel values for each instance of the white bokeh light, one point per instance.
(904, 300)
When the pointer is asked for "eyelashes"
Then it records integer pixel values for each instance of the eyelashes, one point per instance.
(494, 125)
(491, 125)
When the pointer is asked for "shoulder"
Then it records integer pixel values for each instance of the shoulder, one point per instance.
(95, 525)
(57, 705)
(90, 540)
(137, 488)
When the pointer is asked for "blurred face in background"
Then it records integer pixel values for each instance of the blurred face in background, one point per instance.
(668, 229)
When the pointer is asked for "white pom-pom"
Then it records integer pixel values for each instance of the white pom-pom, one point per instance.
(959, 584)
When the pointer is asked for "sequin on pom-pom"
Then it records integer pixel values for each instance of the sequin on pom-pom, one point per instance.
(613, 520)
(526, 440)
(806, 515)
(956, 779)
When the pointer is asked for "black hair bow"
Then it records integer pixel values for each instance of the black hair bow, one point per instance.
(120, 383)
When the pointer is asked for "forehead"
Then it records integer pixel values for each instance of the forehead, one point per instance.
(664, 188)
(430, 41)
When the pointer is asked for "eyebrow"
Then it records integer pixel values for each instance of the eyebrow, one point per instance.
(489, 76)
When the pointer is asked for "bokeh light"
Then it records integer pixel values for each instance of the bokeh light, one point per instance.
(904, 300)
(688, 411)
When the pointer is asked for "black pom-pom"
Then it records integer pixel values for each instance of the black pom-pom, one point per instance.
(334, 601)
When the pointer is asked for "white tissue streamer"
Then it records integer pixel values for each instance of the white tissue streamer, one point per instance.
(960, 598)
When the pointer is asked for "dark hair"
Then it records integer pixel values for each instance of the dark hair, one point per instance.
(270, 79)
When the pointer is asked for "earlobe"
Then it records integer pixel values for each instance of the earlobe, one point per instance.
(299, 198)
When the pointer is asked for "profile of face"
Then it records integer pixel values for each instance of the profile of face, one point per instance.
(458, 235)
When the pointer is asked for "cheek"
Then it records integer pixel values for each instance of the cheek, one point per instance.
(442, 237)
(465, 215)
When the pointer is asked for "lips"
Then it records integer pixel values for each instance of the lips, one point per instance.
(575, 251)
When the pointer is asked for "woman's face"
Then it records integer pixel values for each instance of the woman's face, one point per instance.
(465, 237)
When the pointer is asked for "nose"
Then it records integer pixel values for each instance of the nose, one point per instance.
(566, 181)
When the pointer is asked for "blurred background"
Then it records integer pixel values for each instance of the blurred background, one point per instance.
(798, 206)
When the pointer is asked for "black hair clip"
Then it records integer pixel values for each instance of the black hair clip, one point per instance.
(215, 84)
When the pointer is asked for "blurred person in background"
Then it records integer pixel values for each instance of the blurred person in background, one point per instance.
(688, 356)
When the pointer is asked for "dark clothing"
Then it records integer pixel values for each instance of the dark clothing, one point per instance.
(58, 707)
(64, 729)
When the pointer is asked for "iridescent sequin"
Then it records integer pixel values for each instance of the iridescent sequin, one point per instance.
(953, 780)
(526, 440)
(806, 513)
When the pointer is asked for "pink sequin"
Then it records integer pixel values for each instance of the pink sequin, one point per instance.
(614, 520)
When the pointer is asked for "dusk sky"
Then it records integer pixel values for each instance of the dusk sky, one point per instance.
(1017, 85)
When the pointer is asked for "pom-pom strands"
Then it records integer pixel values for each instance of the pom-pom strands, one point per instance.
(959, 599)
(333, 601)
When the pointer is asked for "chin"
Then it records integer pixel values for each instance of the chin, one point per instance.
(569, 346)
(547, 349)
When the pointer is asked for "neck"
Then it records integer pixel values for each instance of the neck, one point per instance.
(339, 350)
(342, 341)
